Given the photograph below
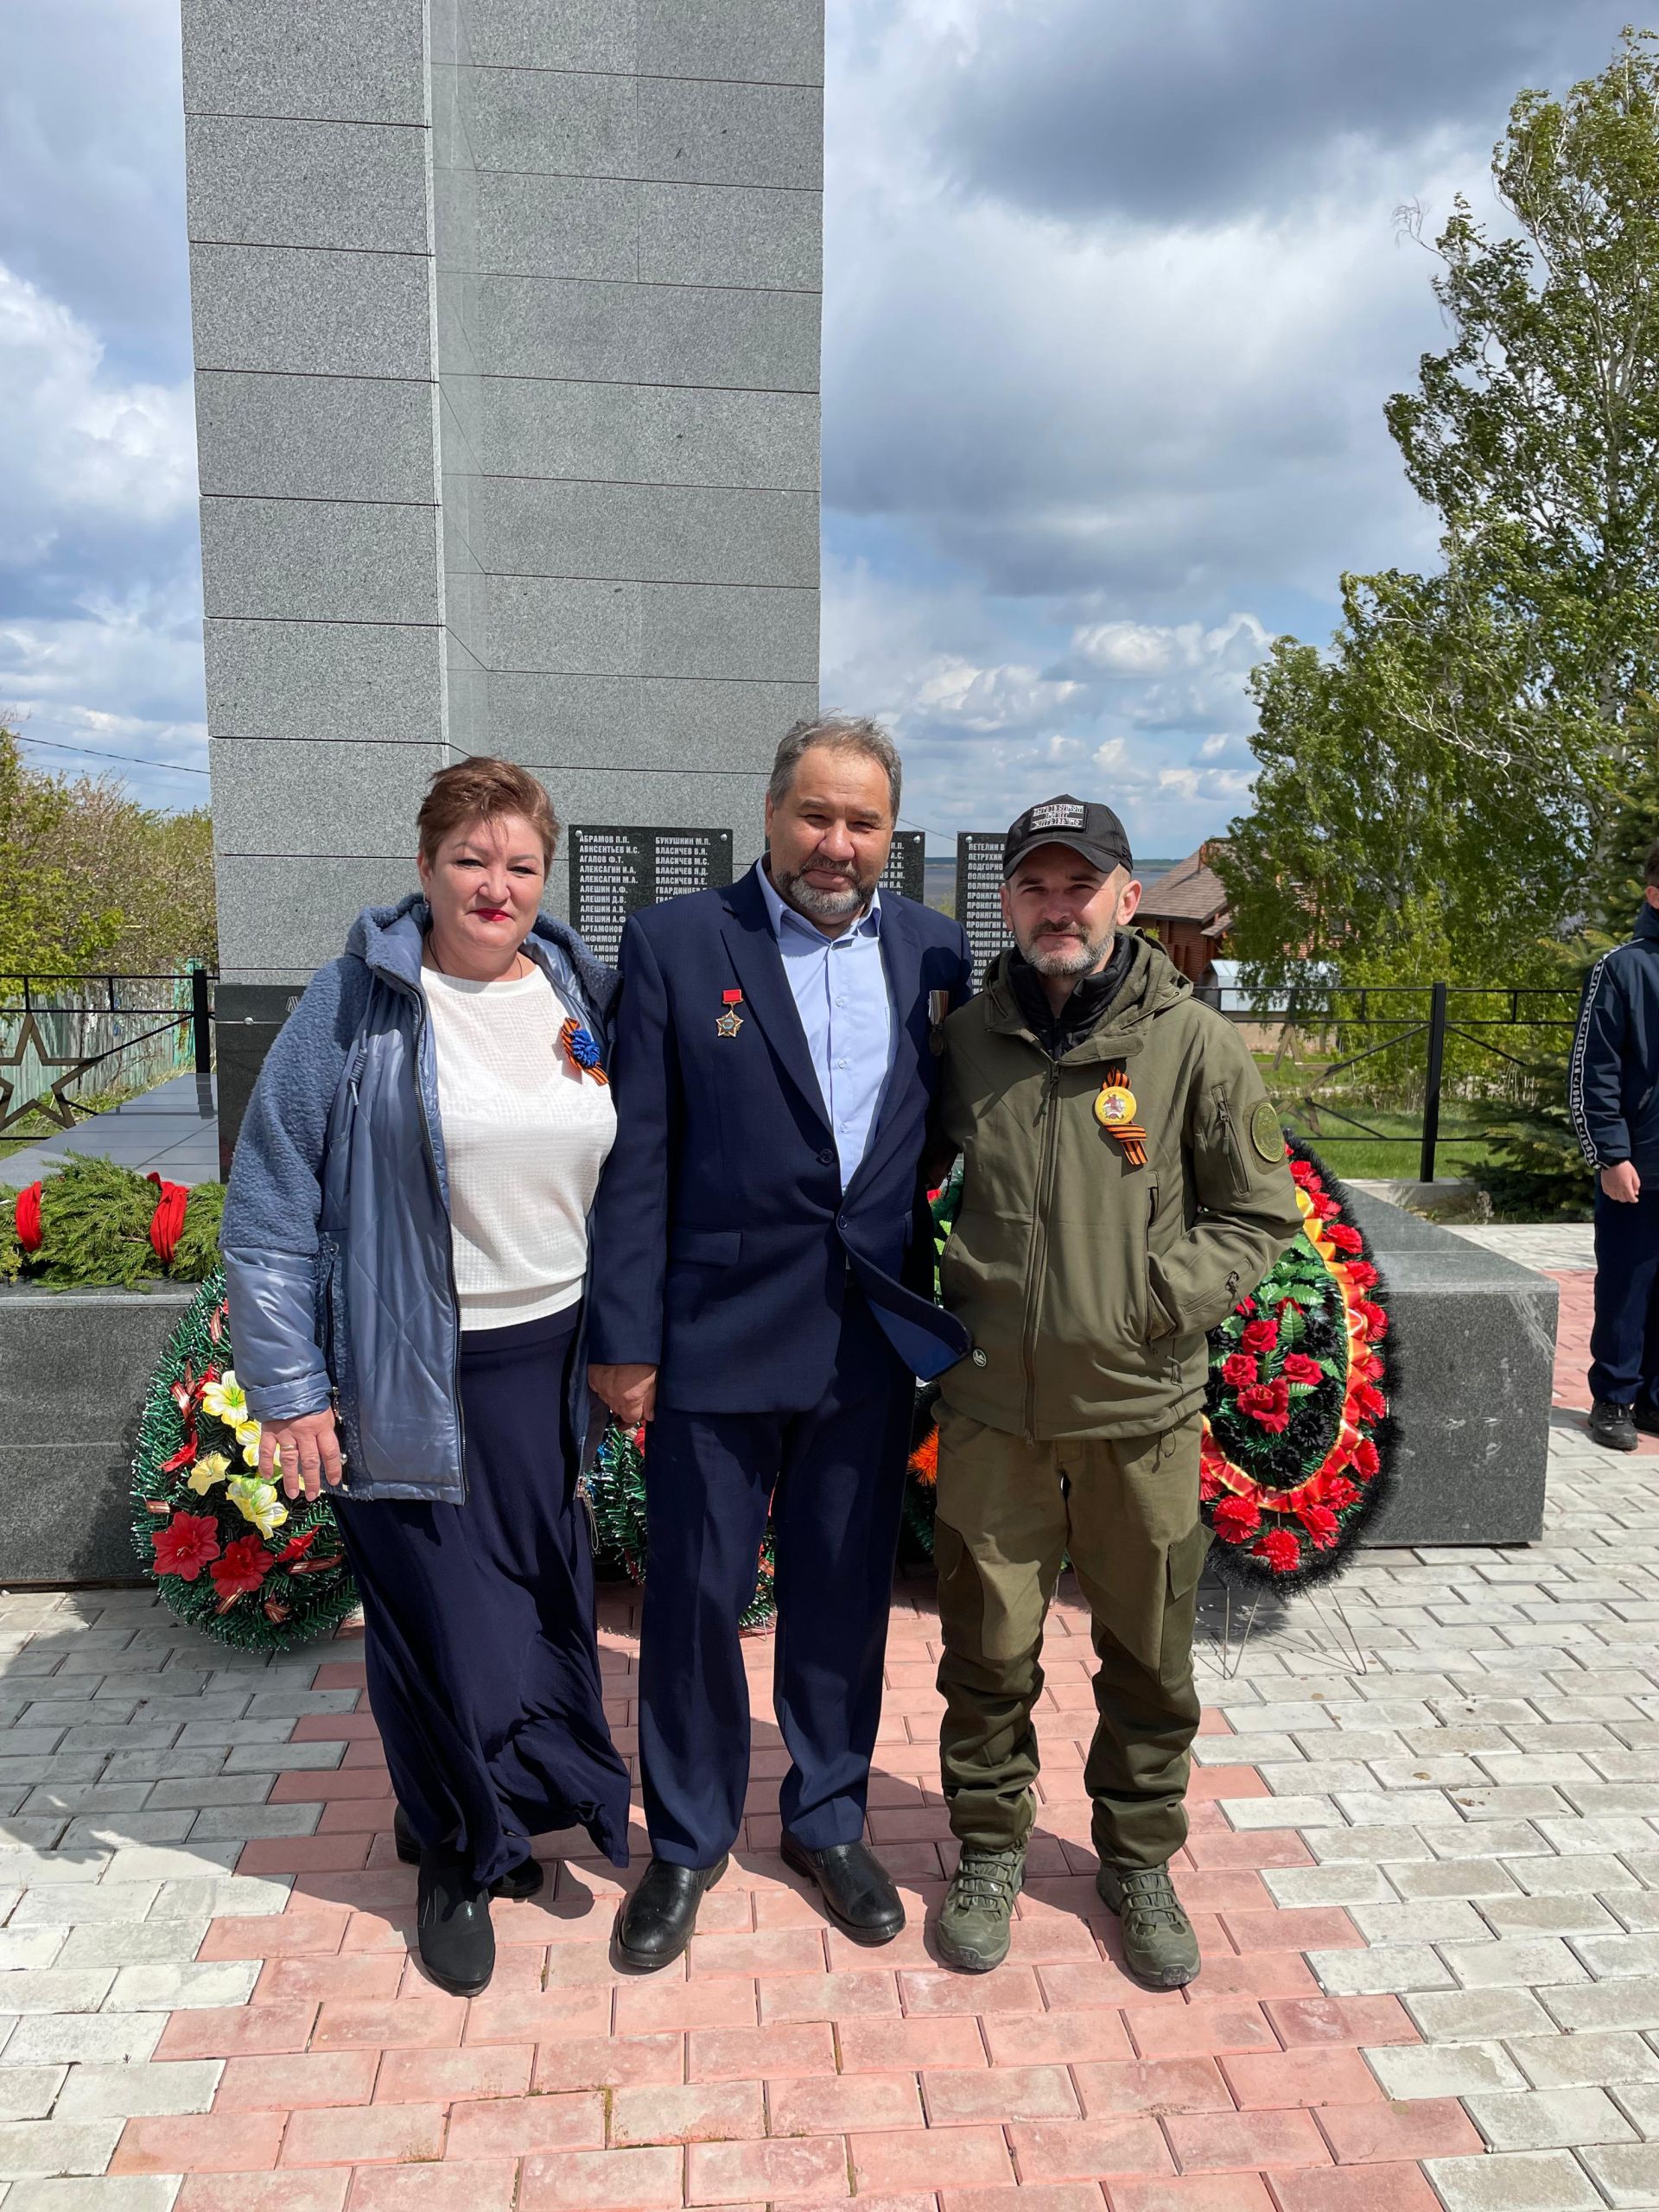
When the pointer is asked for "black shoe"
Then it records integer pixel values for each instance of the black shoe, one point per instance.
(857, 1891)
(1613, 1425)
(452, 1925)
(519, 1882)
(1645, 1414)
(658, 1921)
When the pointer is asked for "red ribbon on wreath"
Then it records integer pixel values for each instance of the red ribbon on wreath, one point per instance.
(167, 1223)
(27, 1217)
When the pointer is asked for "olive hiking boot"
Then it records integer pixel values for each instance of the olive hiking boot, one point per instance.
(974, 1924)
(1159, 1947)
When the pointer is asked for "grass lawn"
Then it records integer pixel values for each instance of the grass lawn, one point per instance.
(1396, 1150)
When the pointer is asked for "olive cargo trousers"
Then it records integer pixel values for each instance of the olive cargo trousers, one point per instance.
(1126, 1512)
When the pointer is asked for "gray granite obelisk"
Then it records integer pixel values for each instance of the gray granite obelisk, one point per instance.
(506, 339)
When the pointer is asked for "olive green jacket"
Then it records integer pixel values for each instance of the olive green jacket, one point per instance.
(1088, 1282)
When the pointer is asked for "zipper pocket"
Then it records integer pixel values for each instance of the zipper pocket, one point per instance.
(1230, 1146)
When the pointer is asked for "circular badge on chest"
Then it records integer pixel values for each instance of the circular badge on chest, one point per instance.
(1115, 1106)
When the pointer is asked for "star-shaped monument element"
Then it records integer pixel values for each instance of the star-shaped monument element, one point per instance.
(52, 1104)
(729, 1023)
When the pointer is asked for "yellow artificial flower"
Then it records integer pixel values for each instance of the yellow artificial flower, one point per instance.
(211, 1468)
(256, 1502)
(226, 1400)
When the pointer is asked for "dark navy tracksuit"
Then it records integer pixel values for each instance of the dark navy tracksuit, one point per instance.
(1613, 1095)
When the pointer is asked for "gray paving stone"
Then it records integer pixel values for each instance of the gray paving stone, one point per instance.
(1514, 2181)
(1443, 2069)
(141, 1942)
(183, 1987)
(1516, 1964)
(50, 1990)
(102, 2193)
(1445, 1920)
(67, 1904)
(1633, 2004)
(1342, 1882)
(1548, 1915)
(29, 2092)
(1549, 2120)
(1585, 2061)
(99, 2038)
(49, 2146)
(1591, 1872)
(1454, 1878)
(1387, 1847)
(127, 2092)
(1483, 2015)
(1628, 2173)
(1611, 1956)
(1396, 1967)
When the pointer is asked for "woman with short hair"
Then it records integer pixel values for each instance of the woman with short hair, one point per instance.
(405, 1243)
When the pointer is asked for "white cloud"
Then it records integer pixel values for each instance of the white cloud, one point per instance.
(78, 446)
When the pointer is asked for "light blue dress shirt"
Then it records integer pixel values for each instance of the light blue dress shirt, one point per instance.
(840, 985)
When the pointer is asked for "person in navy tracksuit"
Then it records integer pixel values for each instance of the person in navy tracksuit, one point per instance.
(1613, 1095)
(765, 1303)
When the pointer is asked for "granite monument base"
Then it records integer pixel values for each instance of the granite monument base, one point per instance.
(74, 1369)
(1473, 1336)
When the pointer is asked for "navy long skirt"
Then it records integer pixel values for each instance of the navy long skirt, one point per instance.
(482, 1658)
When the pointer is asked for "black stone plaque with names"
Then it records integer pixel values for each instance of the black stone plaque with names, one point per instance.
(906, 868)
(616, 870)
(979, 896)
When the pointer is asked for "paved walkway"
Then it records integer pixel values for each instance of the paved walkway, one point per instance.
(1424, 1864)
(173, 1130)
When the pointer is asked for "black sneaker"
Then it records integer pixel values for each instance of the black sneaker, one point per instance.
(453, 1927)
(1645, 1414)
(1613, 1426)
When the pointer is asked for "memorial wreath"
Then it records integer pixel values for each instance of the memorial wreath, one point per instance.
(228, 1553)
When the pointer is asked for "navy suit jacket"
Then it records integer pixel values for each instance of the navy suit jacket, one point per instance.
(723, 1239)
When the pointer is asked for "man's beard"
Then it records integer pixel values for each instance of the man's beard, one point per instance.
(837, 903)
(1080, 955)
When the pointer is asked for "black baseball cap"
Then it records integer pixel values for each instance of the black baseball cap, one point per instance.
(1094, 831)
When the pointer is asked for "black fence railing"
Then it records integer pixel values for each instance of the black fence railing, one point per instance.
(1430, 1017)
(56, 1030)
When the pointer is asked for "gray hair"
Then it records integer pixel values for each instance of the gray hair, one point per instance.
(843, 734)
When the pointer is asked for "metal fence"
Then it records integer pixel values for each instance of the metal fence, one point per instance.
(125, 1032)
(1424, 1045)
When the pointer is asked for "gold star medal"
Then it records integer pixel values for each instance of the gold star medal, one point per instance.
(731, 1022)
(1115, 1110)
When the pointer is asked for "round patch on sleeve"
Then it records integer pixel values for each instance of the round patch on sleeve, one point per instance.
(1267, 1134)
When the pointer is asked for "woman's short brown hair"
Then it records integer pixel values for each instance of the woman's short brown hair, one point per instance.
(477, 790)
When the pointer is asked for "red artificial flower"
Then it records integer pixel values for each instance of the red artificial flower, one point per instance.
(244, 1567)
(1371, 1402)
(1209, 1483)
(1346, 1239)
(1367, 1459)
(1376, 1320)
(1321, 1524)
(1339, 1492)
(1307, 1174)
(1238, 1370)
(1280, 1550)
(1327, 1207)
(1362, 1275)
(1237, 1518)
(1260, 1336)
(1245, 1306)
(185, 1545)
(1268, 1403)
(1298, 1367)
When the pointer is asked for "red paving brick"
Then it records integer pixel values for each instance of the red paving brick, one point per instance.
(779, 2064)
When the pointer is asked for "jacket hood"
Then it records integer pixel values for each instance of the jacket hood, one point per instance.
(1153, 985)
(388, 939)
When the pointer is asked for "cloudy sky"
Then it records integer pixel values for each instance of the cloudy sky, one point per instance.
(1114, 293)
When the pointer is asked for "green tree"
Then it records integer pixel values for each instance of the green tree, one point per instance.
(1440, 791)
(91, 880)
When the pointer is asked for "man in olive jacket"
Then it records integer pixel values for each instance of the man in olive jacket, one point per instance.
(1125, 1185)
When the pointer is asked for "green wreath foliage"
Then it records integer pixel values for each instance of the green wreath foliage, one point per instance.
(305, 1589)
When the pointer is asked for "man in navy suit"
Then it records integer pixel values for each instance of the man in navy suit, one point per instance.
(764, 1298)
